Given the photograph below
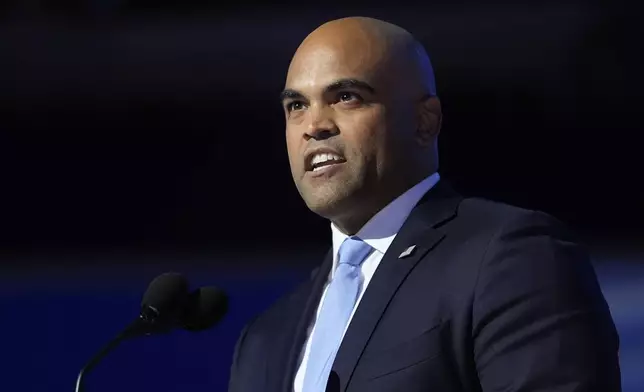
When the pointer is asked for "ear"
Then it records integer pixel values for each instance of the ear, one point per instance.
(430, 118)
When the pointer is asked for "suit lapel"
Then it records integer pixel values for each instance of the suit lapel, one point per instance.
(418, 235)
(295, 332)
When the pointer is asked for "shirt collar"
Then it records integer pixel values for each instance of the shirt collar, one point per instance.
(379, 232)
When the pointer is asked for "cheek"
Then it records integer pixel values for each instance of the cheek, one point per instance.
(292, 148)
(365, 136)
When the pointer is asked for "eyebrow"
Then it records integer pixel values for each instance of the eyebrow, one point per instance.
(335, 86)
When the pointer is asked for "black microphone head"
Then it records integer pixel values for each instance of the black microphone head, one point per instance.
(205, 307)
(165, 296)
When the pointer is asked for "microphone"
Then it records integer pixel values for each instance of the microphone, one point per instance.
(167, 305)
(205, 307)
(161, 306)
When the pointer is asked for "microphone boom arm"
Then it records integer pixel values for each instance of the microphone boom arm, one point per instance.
(140, 326)
(97, 358)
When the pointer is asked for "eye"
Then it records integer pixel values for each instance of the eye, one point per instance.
(349, 97)
(294, 106)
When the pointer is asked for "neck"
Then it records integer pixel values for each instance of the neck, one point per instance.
(350, 225)
(366, 207)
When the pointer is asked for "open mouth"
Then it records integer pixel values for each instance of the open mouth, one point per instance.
(321, 161)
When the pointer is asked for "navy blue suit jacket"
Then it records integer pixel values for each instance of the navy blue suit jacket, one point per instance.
(493, 298)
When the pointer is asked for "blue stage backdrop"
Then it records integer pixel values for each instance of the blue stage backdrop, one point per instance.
(56, 315)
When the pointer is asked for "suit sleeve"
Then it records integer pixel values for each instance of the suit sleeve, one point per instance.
(539, 318)
(235, 376)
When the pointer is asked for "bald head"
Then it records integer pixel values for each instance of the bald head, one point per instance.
(384, 47)
(362, 118)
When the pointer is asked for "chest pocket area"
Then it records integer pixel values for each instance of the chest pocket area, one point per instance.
(394, 356)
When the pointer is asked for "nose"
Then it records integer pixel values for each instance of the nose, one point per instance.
(322, 125)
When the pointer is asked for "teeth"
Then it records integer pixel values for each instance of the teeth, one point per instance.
(323, 158)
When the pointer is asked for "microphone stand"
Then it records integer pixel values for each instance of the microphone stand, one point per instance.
(143, 325)
(97, 358)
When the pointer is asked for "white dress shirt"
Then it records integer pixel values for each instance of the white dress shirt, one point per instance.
(379, 232)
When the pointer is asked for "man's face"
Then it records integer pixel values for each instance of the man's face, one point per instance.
(338, 119)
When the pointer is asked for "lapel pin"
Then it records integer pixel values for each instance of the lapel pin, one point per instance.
(407, 252)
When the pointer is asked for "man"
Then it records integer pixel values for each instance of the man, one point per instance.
(423, 290)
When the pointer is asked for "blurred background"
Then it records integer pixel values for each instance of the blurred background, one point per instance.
(139, 137)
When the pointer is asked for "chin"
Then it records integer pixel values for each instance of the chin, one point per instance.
(332, 199)
(326, 208)
(330, 206)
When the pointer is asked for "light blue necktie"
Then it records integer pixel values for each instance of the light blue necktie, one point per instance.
(341, 296)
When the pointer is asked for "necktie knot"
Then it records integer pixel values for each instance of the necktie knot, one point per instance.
(353, 251)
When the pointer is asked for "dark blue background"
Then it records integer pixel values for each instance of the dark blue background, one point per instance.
(52, 324)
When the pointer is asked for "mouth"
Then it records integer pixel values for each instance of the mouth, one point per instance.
(320, 161)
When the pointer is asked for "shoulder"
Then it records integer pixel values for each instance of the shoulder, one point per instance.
(528, 254)
(485, 233)
(496, 218)
(499, 213)
(271, 320)
(528, 249)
